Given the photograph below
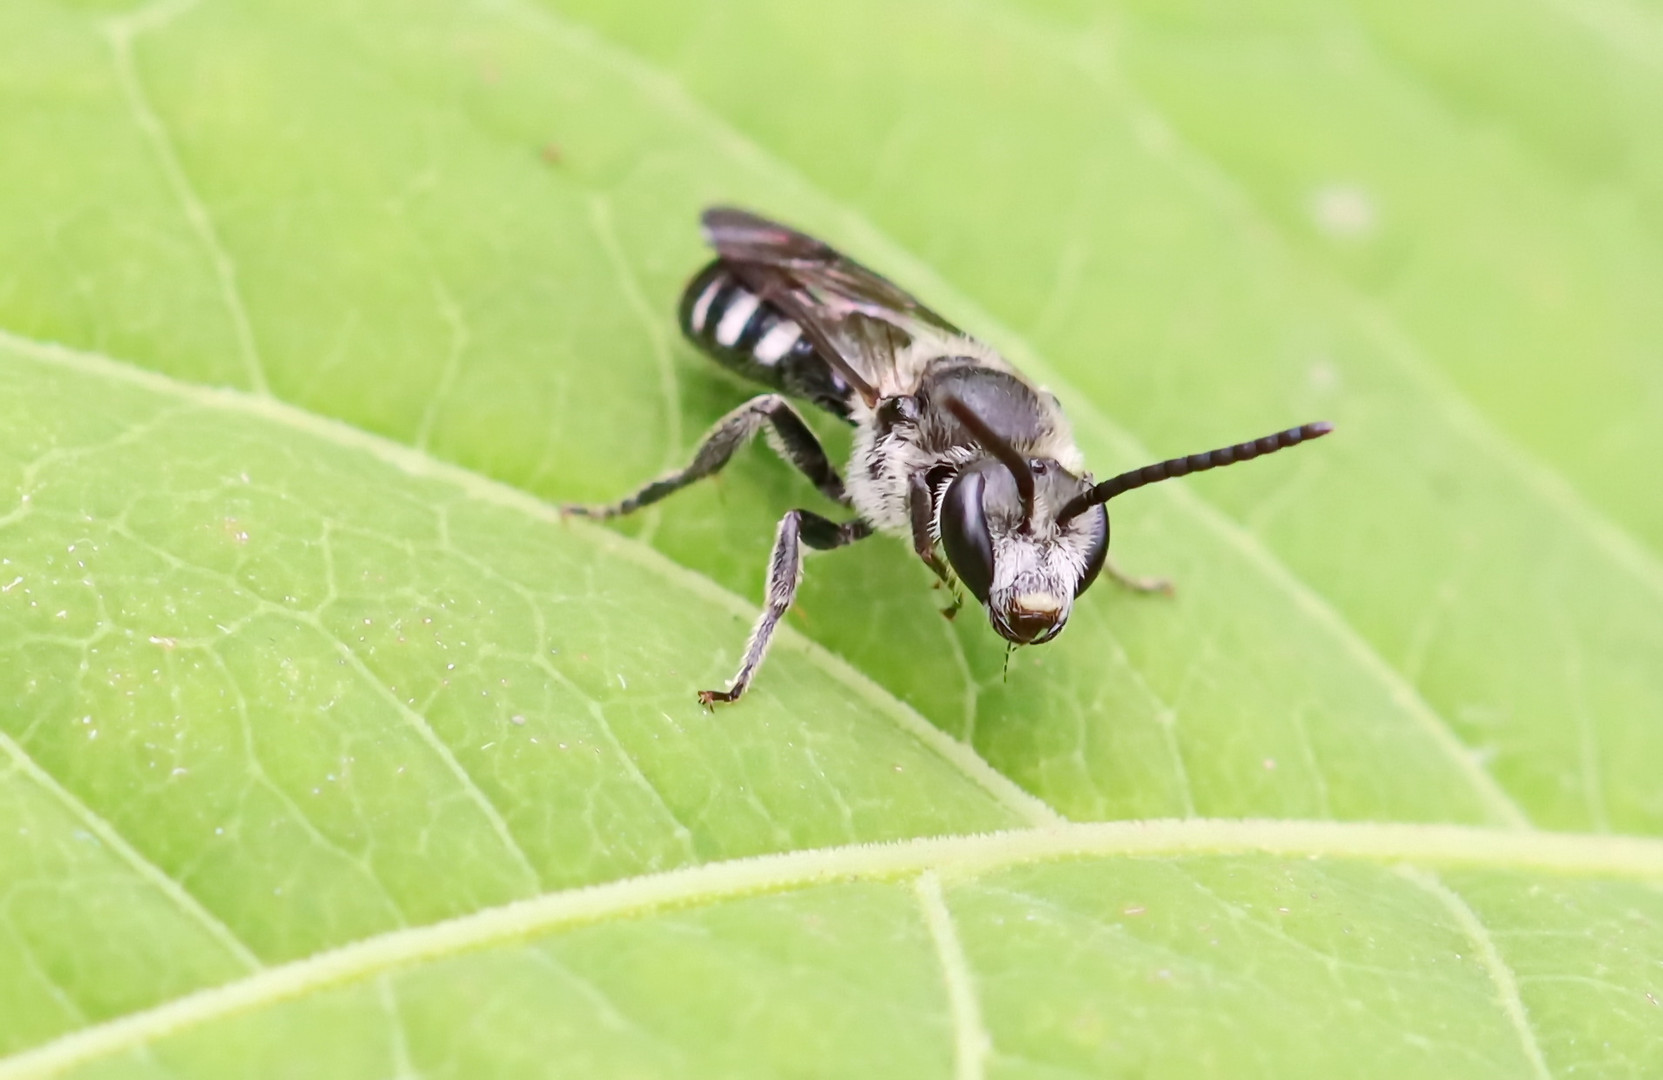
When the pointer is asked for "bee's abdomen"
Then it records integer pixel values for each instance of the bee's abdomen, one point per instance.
(751, 336)
(718, 312)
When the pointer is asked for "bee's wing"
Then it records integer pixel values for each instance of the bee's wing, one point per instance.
(858, 320)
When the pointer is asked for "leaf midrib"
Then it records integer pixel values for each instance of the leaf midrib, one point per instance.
(954, 859)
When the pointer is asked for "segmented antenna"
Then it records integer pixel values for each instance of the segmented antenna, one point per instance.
(994, 443)
(1183, 466)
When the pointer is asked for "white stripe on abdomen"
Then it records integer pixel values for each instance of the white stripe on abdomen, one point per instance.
(735, 318)
(701, 306)
(777, 342)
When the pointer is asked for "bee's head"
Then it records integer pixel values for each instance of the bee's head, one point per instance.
(1026, 568)
(1027, 536)
(1001, 533)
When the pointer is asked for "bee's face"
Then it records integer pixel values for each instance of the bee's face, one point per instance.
(1026, 573)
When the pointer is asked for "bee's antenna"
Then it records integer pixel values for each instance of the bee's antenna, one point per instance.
(1183, 466)
(1007, 454)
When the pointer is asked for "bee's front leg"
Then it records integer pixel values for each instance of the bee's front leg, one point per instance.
(785, 572)
(921, 512)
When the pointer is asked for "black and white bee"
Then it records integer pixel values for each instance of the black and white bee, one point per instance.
(953, 448)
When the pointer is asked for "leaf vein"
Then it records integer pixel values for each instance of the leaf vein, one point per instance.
(1166, 720)
(263, 778)
(441, 749)
(972, 1042)
(120, 34)
(112, 839)
(600, 218)
(457, 324)
(1495, 965)
(955, 858)
(597, 710)
(403, 1067)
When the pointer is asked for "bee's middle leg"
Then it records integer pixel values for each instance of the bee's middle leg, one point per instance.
(785, 573)
(794, 440)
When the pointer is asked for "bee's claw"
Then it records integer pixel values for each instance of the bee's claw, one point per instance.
(710, 698)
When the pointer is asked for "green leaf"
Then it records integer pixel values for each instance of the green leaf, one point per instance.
(327, 748)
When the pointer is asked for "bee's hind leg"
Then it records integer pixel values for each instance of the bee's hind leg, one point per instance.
(785, 572)
(794, 440)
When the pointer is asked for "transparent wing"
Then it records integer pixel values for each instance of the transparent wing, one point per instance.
(860, 321)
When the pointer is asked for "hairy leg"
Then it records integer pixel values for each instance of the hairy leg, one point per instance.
(793, 438)
(921, 511)
(785, 571)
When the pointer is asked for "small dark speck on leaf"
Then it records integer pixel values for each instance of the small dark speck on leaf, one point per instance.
(552, 154)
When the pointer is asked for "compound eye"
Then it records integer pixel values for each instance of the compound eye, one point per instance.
(964, 533)
(1096, 522)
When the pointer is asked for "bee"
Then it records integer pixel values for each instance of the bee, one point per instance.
(953, 448)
